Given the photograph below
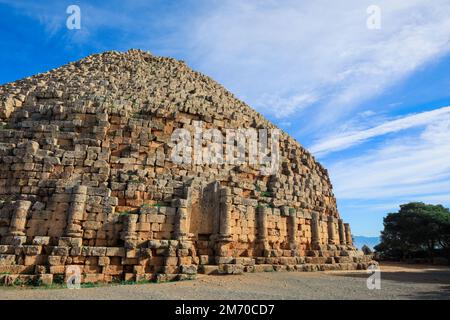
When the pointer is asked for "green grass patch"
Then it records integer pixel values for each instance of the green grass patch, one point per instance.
(124, 214)
(266, 194)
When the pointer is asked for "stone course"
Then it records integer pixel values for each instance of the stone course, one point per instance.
(86, 179)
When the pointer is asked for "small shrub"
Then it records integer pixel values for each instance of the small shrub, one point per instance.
(58, 279)
(34, 282)
(124, 214)
(89, 285)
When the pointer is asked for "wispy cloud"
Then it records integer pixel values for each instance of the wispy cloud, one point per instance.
(412, 167)
(292, 48)
(285, 107)
(344, 141)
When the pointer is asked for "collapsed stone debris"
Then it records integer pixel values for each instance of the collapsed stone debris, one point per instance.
(87, 182)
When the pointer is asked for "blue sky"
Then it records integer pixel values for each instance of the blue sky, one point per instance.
(372, 105)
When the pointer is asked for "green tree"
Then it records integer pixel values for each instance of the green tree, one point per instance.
(415, 227)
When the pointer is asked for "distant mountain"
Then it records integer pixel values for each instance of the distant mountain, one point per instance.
(371, 242)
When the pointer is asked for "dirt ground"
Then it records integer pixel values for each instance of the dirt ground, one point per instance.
(397, 282)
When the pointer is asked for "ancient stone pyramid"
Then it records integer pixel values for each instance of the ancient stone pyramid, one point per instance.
(87, 181)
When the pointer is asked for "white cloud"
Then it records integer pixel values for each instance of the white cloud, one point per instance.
(290, 49)
(344, 141)
(285, 107)
(413, 167)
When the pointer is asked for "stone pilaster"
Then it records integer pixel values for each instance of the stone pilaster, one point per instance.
(348, 234)
(315, 229)
(130, 234)
(182, 223)
(292, 230)
(213, 196)
(76, 212)
(19, 218)
(223, 252)
(331, 230)
(225, 213)
(183, 216)
(261, 216)
(341, 227)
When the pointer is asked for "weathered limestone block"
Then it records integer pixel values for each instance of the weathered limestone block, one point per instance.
(7, 259)
(32, 250)
(231, 269)
(56, 260)
(69, 242)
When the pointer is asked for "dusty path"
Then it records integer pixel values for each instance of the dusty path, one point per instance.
(397, 282)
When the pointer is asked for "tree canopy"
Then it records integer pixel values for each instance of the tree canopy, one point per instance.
(416, 228)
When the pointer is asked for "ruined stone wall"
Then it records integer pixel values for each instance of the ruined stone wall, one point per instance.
(87, 179)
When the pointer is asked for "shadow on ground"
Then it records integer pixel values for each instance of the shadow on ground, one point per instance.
(433, 276)
(415, 278)
(441, 295)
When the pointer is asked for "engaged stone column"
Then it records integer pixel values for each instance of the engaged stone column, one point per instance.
(76, 211)
(331, 230)
(211, 196)
(315, 229)
(131, 235)
(225, 213)
(223, 249)
(182, 220)
(261, 216)
(19, 218)
(348, 234)
(292, 230)
(342, 239)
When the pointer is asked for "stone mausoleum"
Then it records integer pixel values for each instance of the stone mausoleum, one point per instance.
(87, 181)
